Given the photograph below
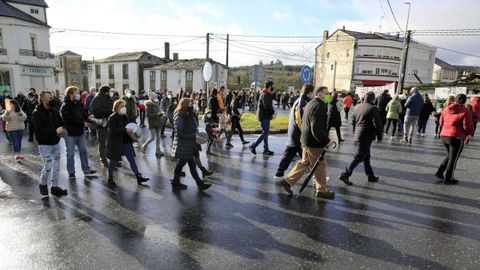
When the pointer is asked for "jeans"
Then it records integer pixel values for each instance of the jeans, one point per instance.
(129, 153)
(409, 125)
(422, 125)
(16, 137)
(154, 135)
(235, 126)
(265, 125)
(347, 110)
(193, 169)
(362, 155)
(287, 158)
(393, 123)
(80, 142)
(51, 163)
(454, 147)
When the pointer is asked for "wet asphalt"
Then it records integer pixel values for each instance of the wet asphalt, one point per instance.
(408, 220)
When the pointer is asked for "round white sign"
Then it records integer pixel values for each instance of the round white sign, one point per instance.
(207, 71)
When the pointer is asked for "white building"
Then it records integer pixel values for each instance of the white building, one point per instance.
(25, 58)
(444, 72)
(122, 71)
(347, 59)
(184, 74)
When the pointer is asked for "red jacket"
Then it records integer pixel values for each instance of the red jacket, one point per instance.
(347, 102)
(456, 121)
(476, 106)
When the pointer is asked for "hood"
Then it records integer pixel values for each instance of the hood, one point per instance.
(456, 108)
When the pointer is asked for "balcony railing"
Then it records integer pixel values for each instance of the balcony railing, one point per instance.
(3, 51)
(38, 54)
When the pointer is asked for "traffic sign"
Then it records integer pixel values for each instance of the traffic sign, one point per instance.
(306, 74)
(207, 71)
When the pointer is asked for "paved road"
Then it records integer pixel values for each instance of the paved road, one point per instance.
(408, 220)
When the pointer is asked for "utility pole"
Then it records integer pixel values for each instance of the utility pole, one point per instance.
(208, 47)
(228, 40)
(404, 63)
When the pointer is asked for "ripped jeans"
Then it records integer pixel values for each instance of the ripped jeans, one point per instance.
(51, 163)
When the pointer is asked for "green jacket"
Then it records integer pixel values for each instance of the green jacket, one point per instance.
(394, 109)
(154, 120)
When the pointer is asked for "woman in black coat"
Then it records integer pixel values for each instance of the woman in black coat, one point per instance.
(119, 142)
(184, 144)
(213, 105)
(334, 118)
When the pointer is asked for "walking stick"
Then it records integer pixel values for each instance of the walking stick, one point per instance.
(312, 170)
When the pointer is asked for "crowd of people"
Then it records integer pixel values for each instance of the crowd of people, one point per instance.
(112, 119)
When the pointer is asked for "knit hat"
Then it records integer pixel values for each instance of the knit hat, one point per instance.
(152, 96)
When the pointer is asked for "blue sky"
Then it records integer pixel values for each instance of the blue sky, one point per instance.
(261, 17)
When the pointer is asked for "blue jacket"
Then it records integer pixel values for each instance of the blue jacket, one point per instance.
(294, 132)
(414, 105)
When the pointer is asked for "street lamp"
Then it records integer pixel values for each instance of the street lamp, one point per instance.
(408, 16)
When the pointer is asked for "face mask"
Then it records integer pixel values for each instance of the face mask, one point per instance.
(77, 97)
(110, 94)
(52, 103)
(123, 111)
(169, 96)
(128, 95)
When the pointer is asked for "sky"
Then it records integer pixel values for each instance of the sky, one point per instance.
(185, 23)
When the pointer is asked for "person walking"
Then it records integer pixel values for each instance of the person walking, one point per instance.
(235, 117)
(314, 139)
(476, 108)
(333, 116)
(167, 106)
(265, 114)
(155, 120)
(294, 146)
(119, 143)
(131, 105)
(88, 108)
(184, 144)
(48, 126)
(213, 105)
(381, 102)
(15, 124)
(436, 115)
(457, 127)
(425, 113)
(394, 110)
(367, 125)
(413, 107)
(28, 107)
(142, 99)
(347, 104)
(101, 109)
(74, 115)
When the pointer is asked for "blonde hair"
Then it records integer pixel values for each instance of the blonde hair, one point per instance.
(182, 106)
(42, 95)
(117, 105)
(70, 90)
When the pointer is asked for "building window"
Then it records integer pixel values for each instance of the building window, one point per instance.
(1, 39)
(152, 75)
(336, 38)
(328, 55)
(97, 71)
(33, 43)
(331, 67)
(348, 53)
(189, 75)
(125, 71)
(367, 72)
(377, 71)
(34, 11)
(384, 71)
(414, 71)
(111, 74)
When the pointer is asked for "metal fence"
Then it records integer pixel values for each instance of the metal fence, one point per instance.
(38, 54)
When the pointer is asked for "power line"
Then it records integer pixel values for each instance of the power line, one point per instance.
(450, 50)
(124, 33)
(393, 14)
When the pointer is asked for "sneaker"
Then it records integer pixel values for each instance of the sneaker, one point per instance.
(252, 150)
(341, 140)
(326, 195)
(71, 176)
(286, 186)
(373, 179)
(245, 142)
(451, 182)
(111, 183)
(57, 191)
(90, 172)
(43, 190)
(268, 153)
(439, 175)
(141, 179)
(206, 173)
(178, 185)
(21, 157)
(17, 158)
(422, 135)
(229, 145)
(278, 176)
(203, 186)
(345, 180)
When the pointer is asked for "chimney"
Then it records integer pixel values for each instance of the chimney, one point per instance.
(325, 35)
(175, 56)
(167, 51)
(343, 28)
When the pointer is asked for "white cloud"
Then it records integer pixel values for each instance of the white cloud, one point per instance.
(210, 9)
(281, 16)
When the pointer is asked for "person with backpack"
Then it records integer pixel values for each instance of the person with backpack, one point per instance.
(294, 145)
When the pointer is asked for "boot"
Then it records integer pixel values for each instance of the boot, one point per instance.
(110, 182)
(206, 172)
(202, 185)
(176, 183)
(141, 179)
(159, 153)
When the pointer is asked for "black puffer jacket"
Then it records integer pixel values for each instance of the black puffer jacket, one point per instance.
(102, 106)
(265, 106)
(74, 116)
(45, 123)
(184, 144)
(117, 136)
(314, 124)
(29, 107)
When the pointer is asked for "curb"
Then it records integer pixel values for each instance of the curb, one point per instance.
(272, 131)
